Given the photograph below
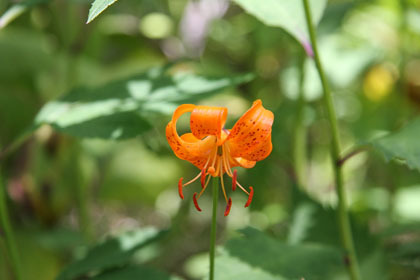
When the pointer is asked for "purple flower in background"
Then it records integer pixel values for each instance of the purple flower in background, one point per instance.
(196, 21)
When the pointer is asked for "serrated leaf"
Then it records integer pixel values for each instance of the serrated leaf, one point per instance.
(98, 6)
(120, 109)
(111, 253)
(283, 261)
(286, 14)
(403, 145)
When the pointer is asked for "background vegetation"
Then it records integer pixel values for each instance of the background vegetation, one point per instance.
(84, 156)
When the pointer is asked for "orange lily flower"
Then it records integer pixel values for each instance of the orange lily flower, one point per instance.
(216, 150)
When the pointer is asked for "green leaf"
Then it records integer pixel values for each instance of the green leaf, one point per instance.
(285, 14)
(401, 229)
(134, 273)
(232, 268)
(303, 220)
(284, 261)
(16, 10)
(98, 6)
(118, 110)
(403, 145)
(408, 251)
(111, 253)
(116, 126)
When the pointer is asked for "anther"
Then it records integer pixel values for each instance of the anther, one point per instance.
(228, 206)
(235, 174)
(203, 177)
(195, 202)
(181, 195)
(251, 194)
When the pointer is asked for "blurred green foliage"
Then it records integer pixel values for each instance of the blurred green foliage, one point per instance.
(88, 165)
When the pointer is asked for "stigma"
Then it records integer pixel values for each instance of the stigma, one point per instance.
(218, 163)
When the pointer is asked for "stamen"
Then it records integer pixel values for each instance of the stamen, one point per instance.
(203, 177)
(242, 188)
(195, 202)
(228, 206)
(210, 156)
(192, 180)
(213, 162)
(205, 186)
(203, 170)
(227, 158)
(235, 174)
(251, 194)
(181, 195)
(218, 166)
(223, 184)
(225, 165)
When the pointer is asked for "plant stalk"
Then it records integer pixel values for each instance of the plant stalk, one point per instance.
(299, 148)
(343, 216)
(7, 230)
(213, 227)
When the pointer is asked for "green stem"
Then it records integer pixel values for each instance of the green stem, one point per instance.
(299, 148)
(7, 150)
(6, 227)
(213, 227)
(343, 216)
(352, 153)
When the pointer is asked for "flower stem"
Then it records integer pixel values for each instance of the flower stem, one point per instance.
(213, 226)
(7, 150)
(6, 229)
(299, 148)
(343, 216)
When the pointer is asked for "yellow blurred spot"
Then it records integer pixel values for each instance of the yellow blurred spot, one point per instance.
(44, 133)
(267, 65)
(378, 83)
(156, 26)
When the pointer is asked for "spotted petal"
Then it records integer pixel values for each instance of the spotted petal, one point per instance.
(250, 137)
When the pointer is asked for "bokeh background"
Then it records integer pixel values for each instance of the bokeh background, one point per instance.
(65, 193)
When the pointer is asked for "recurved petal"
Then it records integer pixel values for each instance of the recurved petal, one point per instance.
(242, 162)
(208, 120)
(250, 137)
(188, 147)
